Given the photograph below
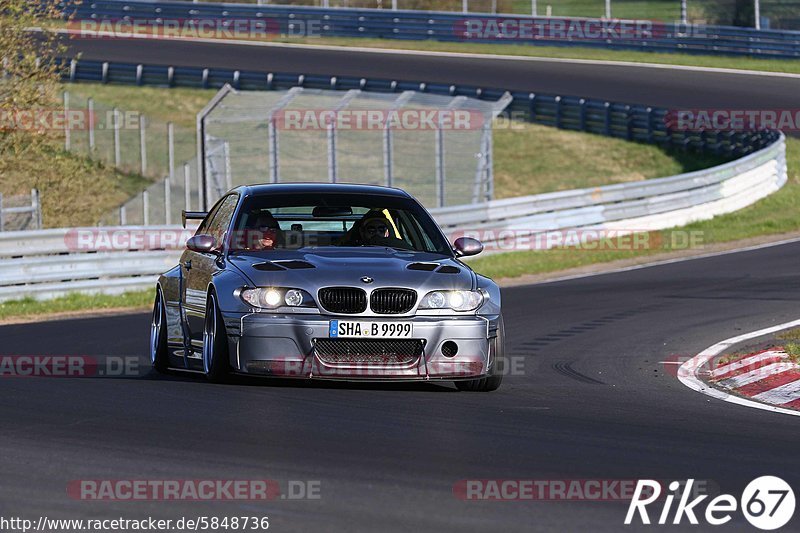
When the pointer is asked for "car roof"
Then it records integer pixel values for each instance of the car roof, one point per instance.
(321, 188)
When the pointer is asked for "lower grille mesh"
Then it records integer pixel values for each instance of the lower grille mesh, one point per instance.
(370, 352)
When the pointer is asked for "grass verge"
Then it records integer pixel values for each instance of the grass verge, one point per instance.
(28, 307)
(74, 190)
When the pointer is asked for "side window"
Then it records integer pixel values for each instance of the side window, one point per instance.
(219, 220)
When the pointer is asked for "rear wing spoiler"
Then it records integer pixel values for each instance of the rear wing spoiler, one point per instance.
(192, 215)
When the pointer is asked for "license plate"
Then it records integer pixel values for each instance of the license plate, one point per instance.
(369, 329)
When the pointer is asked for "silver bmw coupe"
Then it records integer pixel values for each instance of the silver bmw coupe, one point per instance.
(327, 281)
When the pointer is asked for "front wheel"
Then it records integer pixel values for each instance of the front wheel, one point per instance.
(159, 352)
(498, 363)
(215, 343)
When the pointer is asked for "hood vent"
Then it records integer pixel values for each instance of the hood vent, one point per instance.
(448, 269)
(294, 264)
(427, 267)
(267, 267)
(289, 264)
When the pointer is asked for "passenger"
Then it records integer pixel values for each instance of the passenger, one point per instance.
(265, 233)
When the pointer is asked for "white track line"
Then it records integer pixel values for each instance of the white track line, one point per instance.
(687, 373)
(780, 395)
(722, 370)
(431, 53)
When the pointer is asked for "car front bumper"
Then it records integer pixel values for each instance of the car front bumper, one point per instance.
(287, 346)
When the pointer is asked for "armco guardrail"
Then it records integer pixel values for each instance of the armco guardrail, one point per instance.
(50, 263)
(639, 206)
(631, 122)
(442, 26)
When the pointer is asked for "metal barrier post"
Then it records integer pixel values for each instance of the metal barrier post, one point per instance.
(145, 207)
(2, 217)
(534, 9)
(608, 9)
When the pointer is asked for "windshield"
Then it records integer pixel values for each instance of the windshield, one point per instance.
(296, 221)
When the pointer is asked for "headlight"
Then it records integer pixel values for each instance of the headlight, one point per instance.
(274, 297)
(455, 300)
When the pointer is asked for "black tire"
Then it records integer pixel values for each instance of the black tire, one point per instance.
(159, 351)
(498, 365)
(215, 343)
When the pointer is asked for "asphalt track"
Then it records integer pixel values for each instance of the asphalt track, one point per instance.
(661, 87)
(590, 400)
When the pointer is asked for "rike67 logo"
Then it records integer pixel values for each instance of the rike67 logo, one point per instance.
(767, 503)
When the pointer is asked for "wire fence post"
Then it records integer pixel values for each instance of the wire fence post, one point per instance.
(534, 8)
(465, 6)
(757, 13)
(684, 12)
(187, 187)
(90, 108)
(117, 149)
(143, 144)
(226, 153)
(2, 217)
(123, 215)
(146, 207)
(388, 159)
(274, 162)
(439, 149)
(36, 208)
(331, 152)
(171, 150)
(167, 202)
(67, 132)
(608, 9)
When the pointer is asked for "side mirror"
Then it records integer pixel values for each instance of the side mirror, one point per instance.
(466, 246)
(202, 243)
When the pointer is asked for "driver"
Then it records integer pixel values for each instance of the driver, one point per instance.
(373, 229)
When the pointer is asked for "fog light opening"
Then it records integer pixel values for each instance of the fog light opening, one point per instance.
(449, 349)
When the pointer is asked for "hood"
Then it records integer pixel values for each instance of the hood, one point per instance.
(313, 268)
